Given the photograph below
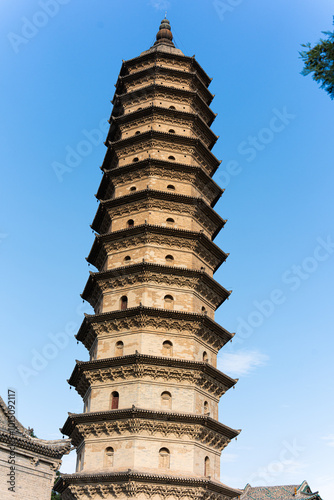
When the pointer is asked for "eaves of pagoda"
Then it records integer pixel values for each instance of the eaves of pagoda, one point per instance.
(176, 168)
(139, 362)
(205, 487)
(183, 140)
(166, 90)
(155, 111)
(98, 251)
(127, 413)
(149, 195)
(154, 56)
(144, 272)
(161, 71)
(140, 315)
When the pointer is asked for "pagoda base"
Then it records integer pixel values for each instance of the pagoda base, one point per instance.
(132, 484)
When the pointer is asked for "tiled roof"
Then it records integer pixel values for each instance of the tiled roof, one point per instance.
(288, 492)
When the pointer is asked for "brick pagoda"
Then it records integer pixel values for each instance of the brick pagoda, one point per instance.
(150, 428)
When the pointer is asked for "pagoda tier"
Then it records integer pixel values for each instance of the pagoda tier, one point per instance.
(190, 249)
(143, 366)
(192, 428)
(167, 97)
(141, 323)
(138, 485)
(182, 122)
(162, 75)
(157, 208)
(163, 145)
(149, 427)
(172, 60)
(145, 283)
(193, 181)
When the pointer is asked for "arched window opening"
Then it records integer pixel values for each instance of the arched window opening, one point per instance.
(138, 109)
(164, 458)
(171, 131)
(135, 159)
(170, 221)
(127, 259)
(119, 347)
(205, 357)
(124, 303)
(171, 187)
(206, 408)
(137, 132)
(166, 400)
(167, 348)
(169, 302)
(133, 188)
(171, 157)
(169, 259)
(207, 467)
(172, 107)
(130, 223)
(109, 457)
(114, 400)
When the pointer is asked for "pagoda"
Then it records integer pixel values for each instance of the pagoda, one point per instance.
(149, 427)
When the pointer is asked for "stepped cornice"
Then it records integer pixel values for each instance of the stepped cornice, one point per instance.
(146, 234)
(143, 366)
(150, 199)
(179, 144)
(154, 56)
(161, 168)
(75, 419)
(158, 90)
(184, 140)
(175, 115)
(134, 484)
(154, 274)
(158, 70)
(136, 318)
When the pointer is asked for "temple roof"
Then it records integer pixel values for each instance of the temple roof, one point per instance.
(13, 432)
(289, 492)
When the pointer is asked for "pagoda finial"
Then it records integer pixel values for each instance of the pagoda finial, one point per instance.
(164, 34)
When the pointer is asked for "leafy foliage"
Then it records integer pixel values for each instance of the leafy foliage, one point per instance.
(319, 60)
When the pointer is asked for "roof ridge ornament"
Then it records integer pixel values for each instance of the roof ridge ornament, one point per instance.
(165, 34)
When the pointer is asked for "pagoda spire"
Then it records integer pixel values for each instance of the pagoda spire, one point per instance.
(165, 34)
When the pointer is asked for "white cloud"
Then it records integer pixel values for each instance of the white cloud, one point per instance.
(329, 439)
(242, 362)
(160, 4)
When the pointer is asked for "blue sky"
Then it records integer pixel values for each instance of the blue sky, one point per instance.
(276, 145)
